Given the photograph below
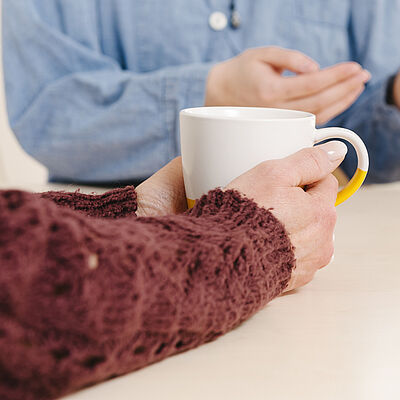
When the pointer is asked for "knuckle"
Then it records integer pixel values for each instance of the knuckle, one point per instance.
(316, 158)
(289, 57)
(296, 57)
(271, 169)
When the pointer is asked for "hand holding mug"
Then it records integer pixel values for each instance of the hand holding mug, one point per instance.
(220, 143)
(308, 216)
(254, 78)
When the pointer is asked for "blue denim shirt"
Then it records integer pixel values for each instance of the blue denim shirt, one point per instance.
(94, 87)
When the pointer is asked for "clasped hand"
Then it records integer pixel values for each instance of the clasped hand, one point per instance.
(308, 216)
(254, 78)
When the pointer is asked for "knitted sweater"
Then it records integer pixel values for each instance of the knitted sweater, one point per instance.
(89, 291)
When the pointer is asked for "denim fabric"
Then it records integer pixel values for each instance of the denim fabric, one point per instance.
(94, 87)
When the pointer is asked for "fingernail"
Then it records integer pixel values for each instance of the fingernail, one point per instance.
(332, 258)
(336, 150)
(366, 75)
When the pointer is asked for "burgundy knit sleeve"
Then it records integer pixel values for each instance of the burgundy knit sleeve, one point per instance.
(85, 299)
(115, 203)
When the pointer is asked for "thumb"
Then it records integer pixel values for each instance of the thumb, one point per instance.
(164, 192)
(291, 60)
(170, 173)
(313, 164)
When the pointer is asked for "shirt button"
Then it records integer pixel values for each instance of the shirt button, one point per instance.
(218, 21)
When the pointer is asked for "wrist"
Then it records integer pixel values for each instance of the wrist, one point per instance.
(258, 229)
(214, 86)
(115, 203)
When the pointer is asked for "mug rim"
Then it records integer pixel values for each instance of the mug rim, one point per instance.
(198, 112)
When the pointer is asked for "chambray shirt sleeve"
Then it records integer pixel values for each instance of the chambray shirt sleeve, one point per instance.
(77, 111)
(375, 38)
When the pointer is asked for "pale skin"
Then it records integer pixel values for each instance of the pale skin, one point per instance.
(308, 215)
(254, 78)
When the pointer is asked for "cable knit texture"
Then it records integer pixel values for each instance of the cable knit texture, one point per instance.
(113, 204)
(85, 298)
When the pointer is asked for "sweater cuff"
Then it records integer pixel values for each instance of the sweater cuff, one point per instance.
(266, 233)
(116, 203)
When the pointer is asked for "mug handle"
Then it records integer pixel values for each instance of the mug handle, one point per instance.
(362, 156)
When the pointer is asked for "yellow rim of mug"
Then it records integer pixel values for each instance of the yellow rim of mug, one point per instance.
(190, 203)
(352, 187)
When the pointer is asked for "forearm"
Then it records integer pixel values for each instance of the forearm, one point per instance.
(77, 110)
(109, 125)
(142, 289)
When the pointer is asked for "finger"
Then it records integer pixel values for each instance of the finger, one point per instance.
(291, 60)
(337, 108)
(307, 84)
(170, 176)
(165, 188)
(311, 165)
(171, 171)
(333, 95)
(326, 189)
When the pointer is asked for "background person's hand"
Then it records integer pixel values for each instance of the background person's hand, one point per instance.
(163, 193)
(308, 216)
(396, 90)
(254, 78)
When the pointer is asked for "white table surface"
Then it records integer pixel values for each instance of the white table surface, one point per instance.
(336, 338)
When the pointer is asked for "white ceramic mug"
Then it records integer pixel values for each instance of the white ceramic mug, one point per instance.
(220, 143)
